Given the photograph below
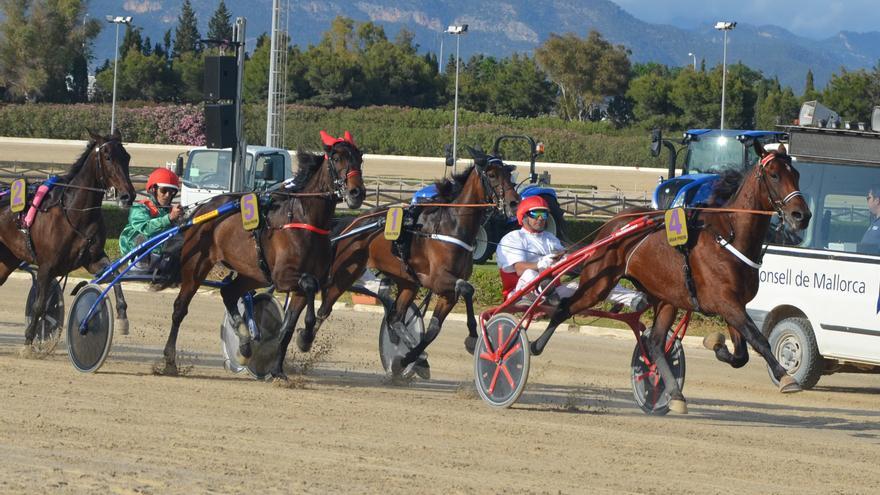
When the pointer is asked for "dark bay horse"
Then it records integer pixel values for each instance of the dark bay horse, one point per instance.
(724, 279)
(68, 232)
(439, 264)
(291, 249)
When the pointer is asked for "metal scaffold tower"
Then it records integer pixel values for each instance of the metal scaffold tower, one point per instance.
(278, 73)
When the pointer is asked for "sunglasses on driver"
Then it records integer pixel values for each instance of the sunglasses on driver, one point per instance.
(538, 214)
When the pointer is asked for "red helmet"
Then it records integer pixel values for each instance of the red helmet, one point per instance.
(163, 177)
(529, 204)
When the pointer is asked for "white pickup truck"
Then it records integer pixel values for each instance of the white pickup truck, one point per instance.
(206, 172)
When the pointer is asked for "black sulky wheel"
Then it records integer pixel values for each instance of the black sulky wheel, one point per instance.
(501, 377)
(268, 316)
(87, 351)
(415, 329)
(648, 388)
(49, 329)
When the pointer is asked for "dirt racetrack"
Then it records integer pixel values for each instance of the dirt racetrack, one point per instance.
(345, 428)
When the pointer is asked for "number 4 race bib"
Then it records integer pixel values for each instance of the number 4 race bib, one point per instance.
(676, 227)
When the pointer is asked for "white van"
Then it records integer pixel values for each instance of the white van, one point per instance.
(819, 297)
(205, 171)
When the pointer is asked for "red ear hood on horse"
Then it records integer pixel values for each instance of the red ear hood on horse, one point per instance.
(329, 140)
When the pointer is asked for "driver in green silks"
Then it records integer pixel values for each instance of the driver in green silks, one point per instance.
(152, 216)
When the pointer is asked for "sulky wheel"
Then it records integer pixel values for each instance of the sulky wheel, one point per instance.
(501, 375)
(648, 388)
(49, 328)
(88, 349)
(415, 329)
(268, 316)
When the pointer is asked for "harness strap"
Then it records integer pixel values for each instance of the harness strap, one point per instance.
(451, 240)
(728, 246)
(305, 226)
(29, 242)
(689, 279)
(261, 256)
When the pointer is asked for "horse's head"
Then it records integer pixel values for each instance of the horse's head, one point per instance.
(497, 180)
(778, 177)
(111, 165)
(345, 168)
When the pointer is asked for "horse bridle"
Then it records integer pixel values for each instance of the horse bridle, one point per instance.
(101, 162)
(778, 204)
(351, 170)
(492, 195)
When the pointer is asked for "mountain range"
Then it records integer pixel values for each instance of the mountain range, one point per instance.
(502, 27)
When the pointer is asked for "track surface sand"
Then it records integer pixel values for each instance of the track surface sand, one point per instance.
(345, 428)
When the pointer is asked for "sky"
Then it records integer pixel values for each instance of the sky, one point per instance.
(816, 19)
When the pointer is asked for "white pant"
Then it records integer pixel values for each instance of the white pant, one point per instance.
(631, 298)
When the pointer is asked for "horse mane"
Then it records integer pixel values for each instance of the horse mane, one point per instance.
(726, 186)
(449, 189)
(80, 162)
(306, 165)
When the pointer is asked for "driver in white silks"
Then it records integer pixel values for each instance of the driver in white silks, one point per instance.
(527, 252)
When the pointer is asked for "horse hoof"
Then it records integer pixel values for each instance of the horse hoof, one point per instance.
(396, 366)
(534, 351)
(714, 341)
(422, 369)
(243, 356)
(788, 385)
(678, 406)
(303, 344)
(122, 326)
(470, 344)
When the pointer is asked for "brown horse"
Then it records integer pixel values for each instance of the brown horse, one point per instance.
(291, 249)
(68, 231)
(442, 264)
(723, 279)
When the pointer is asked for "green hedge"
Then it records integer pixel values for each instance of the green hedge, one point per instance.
(381, 130)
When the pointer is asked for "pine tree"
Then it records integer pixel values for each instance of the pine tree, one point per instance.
(220, 26)
(186, 36)
(810, 92)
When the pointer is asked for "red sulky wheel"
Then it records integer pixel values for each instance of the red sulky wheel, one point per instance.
(501, 374)
(648, 388)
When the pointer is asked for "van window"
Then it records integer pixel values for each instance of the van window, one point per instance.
(269, 170)
(836, 197)
(210, 169)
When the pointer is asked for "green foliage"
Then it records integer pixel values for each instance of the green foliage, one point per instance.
(777, 107)
(255, 81)
(189, 70)
(514, 86)
(139, 77)
(382, 130)
(853, 94)
(186, 35)
(586, 71)
(43, 43)
(220, 25)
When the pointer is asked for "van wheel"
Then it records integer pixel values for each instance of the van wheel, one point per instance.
(794, 345)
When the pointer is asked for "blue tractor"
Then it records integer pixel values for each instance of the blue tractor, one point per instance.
(708, 153)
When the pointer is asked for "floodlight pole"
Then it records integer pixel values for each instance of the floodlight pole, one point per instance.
(115, 20)
(724, 26)
(457, 31)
